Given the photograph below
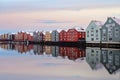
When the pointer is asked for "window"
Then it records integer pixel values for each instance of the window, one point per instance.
(116, 32)
(96, 31)
(104, 31)
(96, 38)
(92, 29)
(96, 35)
(92, 39)
(96, 52)
(92, 50)
(92, 34)
(110, 38)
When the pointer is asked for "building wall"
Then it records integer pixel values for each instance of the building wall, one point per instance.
(110, 31)
(55, 36)
(63, 36)
(73, 35)
(93, 33)
(35, 36)
(38, 36)
(48, 36)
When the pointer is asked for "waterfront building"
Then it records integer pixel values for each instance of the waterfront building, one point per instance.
(30, 37)
(63, 36)
(55, 36)
(11, 36)
(75, 34)
(40, 36)
(93, 32)
(48, 36)
(35, 36)
(111, 30)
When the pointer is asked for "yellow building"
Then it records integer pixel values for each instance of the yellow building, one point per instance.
(48, 36)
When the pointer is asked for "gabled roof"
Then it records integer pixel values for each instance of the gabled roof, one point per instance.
(117, 20)
(31, 34)
(98, 23)
(59, 30)
(80, 29)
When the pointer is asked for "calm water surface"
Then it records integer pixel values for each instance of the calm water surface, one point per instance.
(36, 62)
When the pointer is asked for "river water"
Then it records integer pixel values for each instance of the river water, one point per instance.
(37, 62)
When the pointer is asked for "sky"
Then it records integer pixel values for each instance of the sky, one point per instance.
(31, 15)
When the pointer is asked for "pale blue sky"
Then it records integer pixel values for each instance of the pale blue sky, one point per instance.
(19, 5)
(53, 14)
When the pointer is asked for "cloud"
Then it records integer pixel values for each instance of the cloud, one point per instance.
(31, 5)
(52, 21)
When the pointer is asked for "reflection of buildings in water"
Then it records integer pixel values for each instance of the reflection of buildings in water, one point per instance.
(23, 48)
(7, 46)
(72, 53)
(55, 51)
(20, 48)
(48, 50)
(110, 58)
(75, 53)
(38, 49)
(93, 57)
(63, 51)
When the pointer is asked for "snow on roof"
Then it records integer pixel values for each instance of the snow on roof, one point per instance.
(36, 31)
(65, 30)
(49, 31)
(117, 20)
(59, 30)
(98, 23)
(31, 34)
(80, 29)
(22, 31)
(28, 32)
(43, 32)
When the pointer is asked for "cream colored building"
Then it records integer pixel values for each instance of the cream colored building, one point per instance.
(48, 36)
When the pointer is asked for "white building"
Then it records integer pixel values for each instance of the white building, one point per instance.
(93, 32)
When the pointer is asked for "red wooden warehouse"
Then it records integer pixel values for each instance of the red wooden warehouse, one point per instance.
(75, 34)
(63, 36)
